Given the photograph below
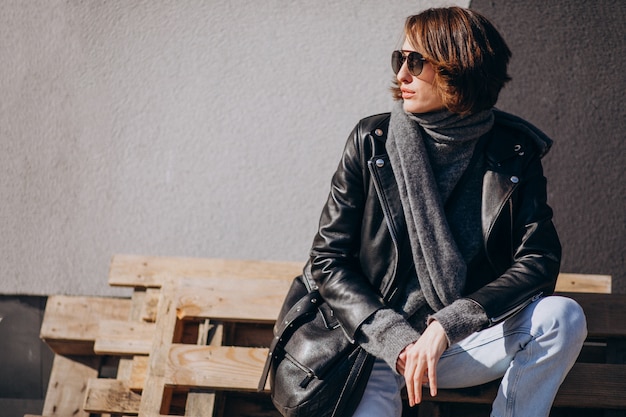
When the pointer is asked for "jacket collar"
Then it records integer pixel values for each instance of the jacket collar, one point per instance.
(498, 150)
(521, 127)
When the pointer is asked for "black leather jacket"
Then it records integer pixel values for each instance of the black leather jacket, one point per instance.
(362, 249)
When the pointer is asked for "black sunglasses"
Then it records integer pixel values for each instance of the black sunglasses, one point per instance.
(414, 61)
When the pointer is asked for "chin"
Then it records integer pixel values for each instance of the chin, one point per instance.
(411, 107)
(408, 107)
(420, 109)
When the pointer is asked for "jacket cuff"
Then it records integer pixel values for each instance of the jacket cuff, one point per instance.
(460, 319)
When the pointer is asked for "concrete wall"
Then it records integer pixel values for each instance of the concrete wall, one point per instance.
(568, 78)
(211, 128)
(179, 128)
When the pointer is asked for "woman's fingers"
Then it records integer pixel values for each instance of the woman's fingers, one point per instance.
(417, 387)
(432, 377)
(419, 360)
(415, 374)
(409, 371)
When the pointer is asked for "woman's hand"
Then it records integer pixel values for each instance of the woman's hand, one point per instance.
(418, 362)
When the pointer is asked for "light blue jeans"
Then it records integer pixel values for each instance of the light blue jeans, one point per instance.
(533, 351)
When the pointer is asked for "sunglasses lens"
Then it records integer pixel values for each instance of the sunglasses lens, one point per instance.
(415, 63)
(396, 61)
(414, 60)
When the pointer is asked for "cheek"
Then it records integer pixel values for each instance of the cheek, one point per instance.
(429, 93)
(426, 100)
(437, 97)
(433, 93)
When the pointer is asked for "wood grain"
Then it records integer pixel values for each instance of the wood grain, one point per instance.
(148, 271)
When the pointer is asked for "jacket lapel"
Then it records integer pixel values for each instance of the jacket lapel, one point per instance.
(497, 188)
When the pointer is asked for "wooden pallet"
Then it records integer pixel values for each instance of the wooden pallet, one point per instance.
(192, 340)
(176, 367)
(125, 330)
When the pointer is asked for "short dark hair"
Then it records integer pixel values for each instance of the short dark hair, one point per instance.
(467, 52)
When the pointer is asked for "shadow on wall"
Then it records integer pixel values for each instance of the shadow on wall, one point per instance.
(567, 70)
(25, 361)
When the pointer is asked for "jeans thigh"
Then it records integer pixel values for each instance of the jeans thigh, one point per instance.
(485, 355)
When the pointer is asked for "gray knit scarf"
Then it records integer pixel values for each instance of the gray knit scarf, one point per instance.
(427, 167)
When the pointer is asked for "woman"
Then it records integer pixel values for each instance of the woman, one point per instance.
(442, 203)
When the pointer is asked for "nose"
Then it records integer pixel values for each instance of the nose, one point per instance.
(404, 76)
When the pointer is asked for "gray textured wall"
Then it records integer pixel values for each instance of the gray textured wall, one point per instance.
(568, 79)
(211, 128)
(181, 128)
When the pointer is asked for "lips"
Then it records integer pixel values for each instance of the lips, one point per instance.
(406, 93)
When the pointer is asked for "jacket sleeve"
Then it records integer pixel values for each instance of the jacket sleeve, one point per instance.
(334, 262)
(531, 266)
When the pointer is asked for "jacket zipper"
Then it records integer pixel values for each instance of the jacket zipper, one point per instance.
(514, 310)
(390, 226)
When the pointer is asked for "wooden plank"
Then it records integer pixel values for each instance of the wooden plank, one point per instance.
(138, 373)
(122, 337)
(148, 271)
(155, 399)
(206, 367)
(67, 383)
(199, 404)
(55, 415)
(140, 364)
(608, 381)
(110, 396)
(216, 367)
(125, 368)
(71, 323)
(568, 282)
(242, 299)
(202, 402)
(138, 300)
(576, 390)
(150, 305)
(145, 271)
(606, 313)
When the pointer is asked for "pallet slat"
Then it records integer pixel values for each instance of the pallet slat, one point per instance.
(110, 396)
(123, 337)
(599, 284)
(606, 313)
(217, 367)
(68, 379)
(219, 298)
(576, 389)
(154, 398)
(148, 271)
(70, 324)
(138, 373)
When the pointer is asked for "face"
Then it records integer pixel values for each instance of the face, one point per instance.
(418, 93)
